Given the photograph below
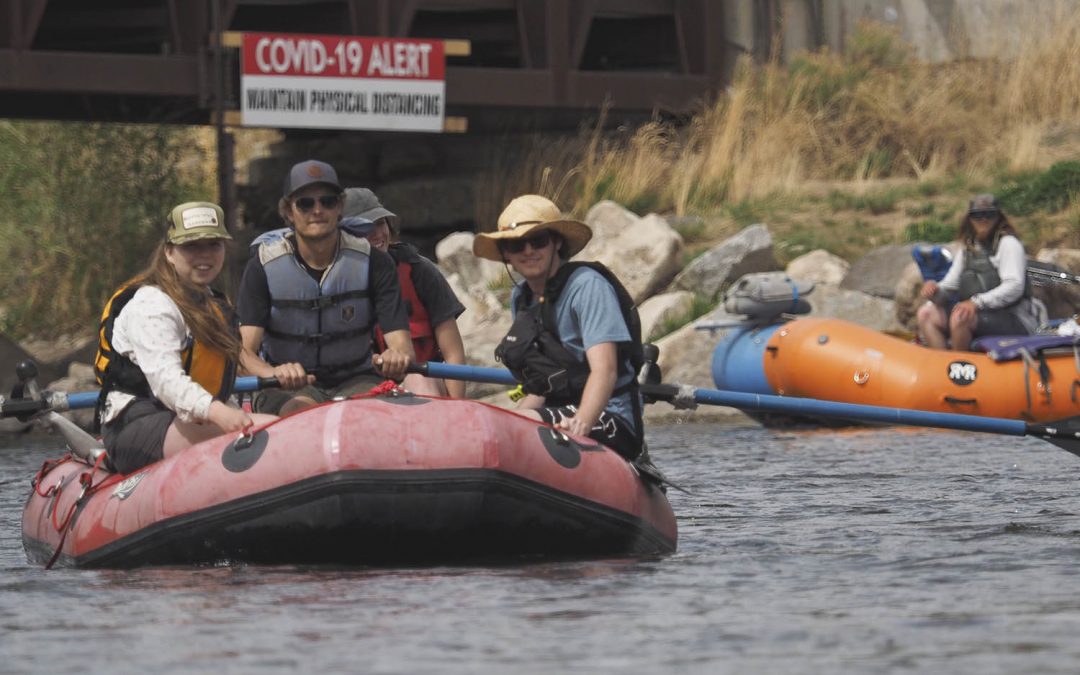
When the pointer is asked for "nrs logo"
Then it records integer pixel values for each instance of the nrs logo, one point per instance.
(962, 373)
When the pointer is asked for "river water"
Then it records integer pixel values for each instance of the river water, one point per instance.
(864, 551)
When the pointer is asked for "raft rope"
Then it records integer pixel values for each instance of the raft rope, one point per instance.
(86, 479)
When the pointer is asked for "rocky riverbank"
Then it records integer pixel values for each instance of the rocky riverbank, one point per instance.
(879, 290)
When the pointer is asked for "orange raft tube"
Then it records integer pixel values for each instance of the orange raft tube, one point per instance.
(836, 360)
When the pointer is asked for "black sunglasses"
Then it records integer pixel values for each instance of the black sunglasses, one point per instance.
(307, 204)
(537, 241)
(987, 214)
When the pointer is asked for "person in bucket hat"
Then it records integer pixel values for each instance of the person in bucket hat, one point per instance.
(168, 350)
(575, 331)
(985, 291)
(311, 299)
(432, 305)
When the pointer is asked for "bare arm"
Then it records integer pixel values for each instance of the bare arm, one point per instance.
(289, 375)
(603, 371)
(448, 337)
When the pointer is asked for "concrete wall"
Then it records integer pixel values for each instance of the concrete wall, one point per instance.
(940, 30)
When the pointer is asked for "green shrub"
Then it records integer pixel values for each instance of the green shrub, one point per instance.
(1049, 191)
(85, 205)
(930, 230)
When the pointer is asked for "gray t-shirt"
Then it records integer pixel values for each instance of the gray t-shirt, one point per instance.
(587, 314)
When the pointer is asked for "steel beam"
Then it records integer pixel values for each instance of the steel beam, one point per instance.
(65, 72)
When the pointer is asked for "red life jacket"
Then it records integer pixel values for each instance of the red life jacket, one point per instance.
(420, 328)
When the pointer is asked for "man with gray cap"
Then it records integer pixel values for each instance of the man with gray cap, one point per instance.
(432, 306)
(310, 301)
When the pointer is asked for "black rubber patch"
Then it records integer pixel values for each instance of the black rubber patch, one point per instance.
(563, 449)
(241, 454)
(405, 399)
(963, 373)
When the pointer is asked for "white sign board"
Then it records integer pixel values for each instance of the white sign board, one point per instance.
(342, 82)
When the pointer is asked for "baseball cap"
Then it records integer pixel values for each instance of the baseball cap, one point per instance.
(362, 206)
(196, 220)
(310, 172)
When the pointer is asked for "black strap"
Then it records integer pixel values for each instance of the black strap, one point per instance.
(320, 338)
(321, 302)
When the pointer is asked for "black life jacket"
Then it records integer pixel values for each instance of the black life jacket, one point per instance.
(535, 355)
(210, 369)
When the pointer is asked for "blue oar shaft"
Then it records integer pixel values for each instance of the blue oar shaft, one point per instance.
(88, 399)
(777, 404)
(864, 413)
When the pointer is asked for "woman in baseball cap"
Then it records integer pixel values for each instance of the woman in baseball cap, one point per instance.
(168, 348)
(985, 291)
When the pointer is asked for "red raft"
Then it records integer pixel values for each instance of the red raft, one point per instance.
(392, 479)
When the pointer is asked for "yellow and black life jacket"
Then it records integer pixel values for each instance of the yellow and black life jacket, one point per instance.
(210, 369)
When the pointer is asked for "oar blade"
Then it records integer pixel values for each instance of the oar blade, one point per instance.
(1064, 433)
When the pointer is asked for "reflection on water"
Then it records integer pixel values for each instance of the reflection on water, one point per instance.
(865, 550)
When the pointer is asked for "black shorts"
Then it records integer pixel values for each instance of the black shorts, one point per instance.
(998, 322)
(611, 430)
(136, 437)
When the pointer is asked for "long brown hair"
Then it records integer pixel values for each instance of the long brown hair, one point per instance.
(966, 231)
(208, 318)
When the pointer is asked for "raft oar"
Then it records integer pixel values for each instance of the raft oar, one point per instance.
(59, 401)
(1064, 433)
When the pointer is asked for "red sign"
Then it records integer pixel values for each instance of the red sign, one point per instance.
(343, 56)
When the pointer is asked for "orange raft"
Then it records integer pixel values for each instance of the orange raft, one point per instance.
(836, 360)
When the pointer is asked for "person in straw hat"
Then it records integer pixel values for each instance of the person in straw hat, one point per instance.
(572, 338)
(168, 348)
(985, 291)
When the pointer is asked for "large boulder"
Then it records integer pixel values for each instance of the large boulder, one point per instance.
(907, 297)
(455, 256)
(751, 250)
(644, 253)
(876, 272)
(659, 309)
(820, 267)
(855, 306)
(686, 358)
(1062, 298)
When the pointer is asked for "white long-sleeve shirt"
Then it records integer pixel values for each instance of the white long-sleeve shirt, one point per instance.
(1011, 264)
(151, 332)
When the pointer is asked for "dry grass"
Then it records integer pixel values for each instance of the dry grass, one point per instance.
(848, 120)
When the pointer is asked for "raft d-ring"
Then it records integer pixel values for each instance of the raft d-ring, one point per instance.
(558, 436)
(861, 377)
(243, 441)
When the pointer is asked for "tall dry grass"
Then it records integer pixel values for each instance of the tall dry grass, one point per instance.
(872, 112)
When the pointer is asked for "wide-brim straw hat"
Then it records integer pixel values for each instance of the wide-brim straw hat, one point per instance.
(526, 215)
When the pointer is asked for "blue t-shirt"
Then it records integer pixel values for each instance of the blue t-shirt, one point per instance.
(587, 314)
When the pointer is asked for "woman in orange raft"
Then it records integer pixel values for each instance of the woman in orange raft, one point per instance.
(168, 348)
(985, 290)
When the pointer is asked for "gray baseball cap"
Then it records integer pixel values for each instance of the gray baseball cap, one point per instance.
(362, 203)
(310, 172)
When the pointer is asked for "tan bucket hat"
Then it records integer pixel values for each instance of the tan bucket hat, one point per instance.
(526, 215)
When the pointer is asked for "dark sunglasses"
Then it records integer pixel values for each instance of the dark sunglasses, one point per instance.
(537, 241)
(307, 204)
(989, 214)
